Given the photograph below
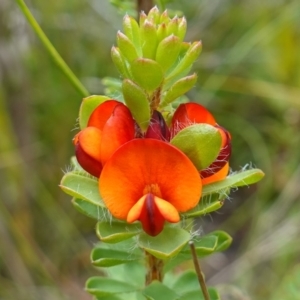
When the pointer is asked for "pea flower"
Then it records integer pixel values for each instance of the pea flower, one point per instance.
(143, 176)
(109, 126)
(192, 113)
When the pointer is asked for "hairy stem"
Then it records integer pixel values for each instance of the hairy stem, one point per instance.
(154, 268)
(51, 49)
(198, 271)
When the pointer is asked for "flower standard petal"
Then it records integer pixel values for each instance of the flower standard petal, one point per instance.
(87, 143)
(102, 113)
(118, 129)
(144, 166)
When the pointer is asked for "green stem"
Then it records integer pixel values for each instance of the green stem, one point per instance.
(52, 51)
(198, 271)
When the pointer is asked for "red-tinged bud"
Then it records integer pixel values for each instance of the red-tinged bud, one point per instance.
(158, 128)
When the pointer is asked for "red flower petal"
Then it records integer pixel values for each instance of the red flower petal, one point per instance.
(87, 143)
(152, 211)
(190, 113)
(102, 113)
(118, 130)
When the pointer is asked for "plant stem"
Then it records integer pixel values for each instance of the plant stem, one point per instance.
(198, 272)
(154, 268)
(144, 5)
(51, 49)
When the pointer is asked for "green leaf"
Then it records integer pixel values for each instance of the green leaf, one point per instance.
(242, 178)
(179, 88)
(90, 209)
(132, 31)
(126, 47)
(107, 255)
(87, 106)
(207, 204)
(79, 185)
(167, 52)
(204, 246)
(119, 61)
(136, 269)
(224, 240)
(149, 38)
(182, 28)
(137, 101)
(114, 232)
(158, 291)
(147, 73)
(200, 142)
(186, 62)
(102, 286)
(165, 245)
(186, 282)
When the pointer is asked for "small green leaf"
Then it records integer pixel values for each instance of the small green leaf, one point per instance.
(207, 204)
(79, 185)
(200, 142)
(165, 245)
(182, 28)
(167, 52)
(172, 27)
(137, 101)
(186, 62)
(154, 15)
(158, 291)
(107, 255)
(126, 47)
(102, 286)
(224, 240)
(90, 209)
(114, 232)
(242, 178)
(161, 32)
(132, 31)
(149, 38)
(87, 106)
(147, 73)
(179, 88)
(119, 61)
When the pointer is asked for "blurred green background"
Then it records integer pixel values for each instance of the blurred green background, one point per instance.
(249, 77)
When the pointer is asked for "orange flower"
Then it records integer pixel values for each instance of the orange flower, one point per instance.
(109, 126)
(150, 181)
(193, 113)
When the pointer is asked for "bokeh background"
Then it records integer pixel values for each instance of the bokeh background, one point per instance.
(249, 77)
